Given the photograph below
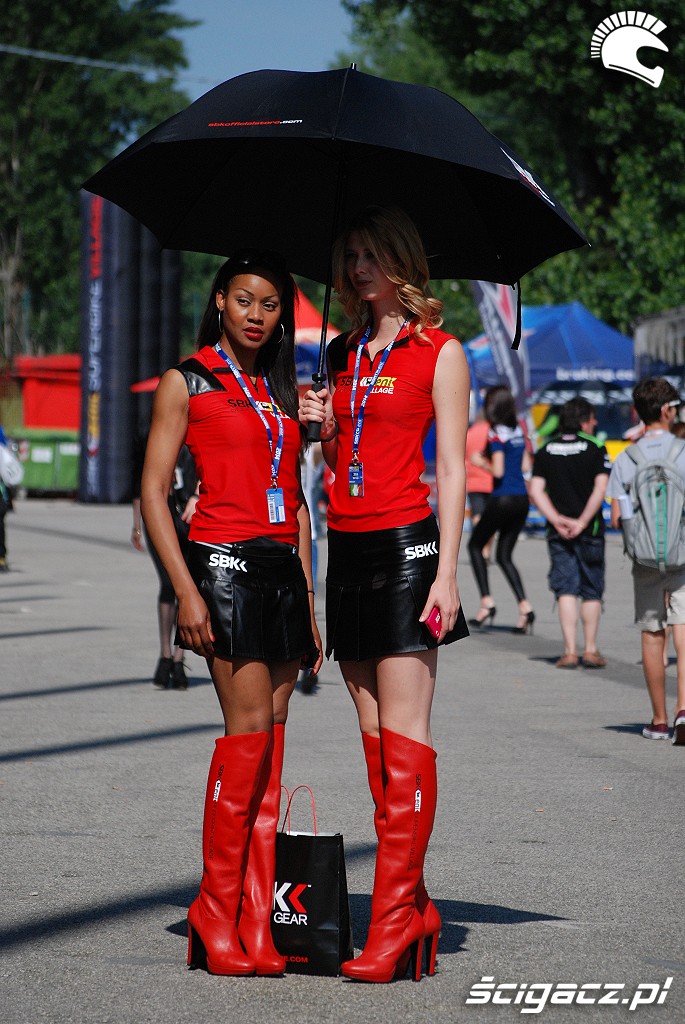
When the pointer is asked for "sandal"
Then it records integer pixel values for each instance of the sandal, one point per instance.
(567, 661)
(593, 659)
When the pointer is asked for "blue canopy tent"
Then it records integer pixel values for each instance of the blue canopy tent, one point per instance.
(474, 401)
(306, 361)
(562, 343)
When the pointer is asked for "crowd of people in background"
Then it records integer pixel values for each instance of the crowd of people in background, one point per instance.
(570, 478)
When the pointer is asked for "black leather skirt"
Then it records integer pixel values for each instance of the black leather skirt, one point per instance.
(377, 584)
(256, 593)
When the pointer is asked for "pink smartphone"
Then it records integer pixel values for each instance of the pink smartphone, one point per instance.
(432, 623)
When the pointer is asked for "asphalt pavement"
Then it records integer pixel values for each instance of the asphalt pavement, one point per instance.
(556, 861)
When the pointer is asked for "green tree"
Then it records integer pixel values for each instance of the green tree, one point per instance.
(59, 122)
(611, 147)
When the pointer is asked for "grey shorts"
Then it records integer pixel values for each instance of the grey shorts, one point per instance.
(659, 599)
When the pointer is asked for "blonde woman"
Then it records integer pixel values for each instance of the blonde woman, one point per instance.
(391, 572)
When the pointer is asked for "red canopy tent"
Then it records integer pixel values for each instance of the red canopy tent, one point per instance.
(308, 322)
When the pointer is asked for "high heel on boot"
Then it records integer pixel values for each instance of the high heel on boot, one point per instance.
(226, 955)
(430, 944)
(432, 923)
(197, 954)
(389, 951)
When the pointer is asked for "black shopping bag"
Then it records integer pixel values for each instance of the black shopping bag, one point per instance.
(310, 920)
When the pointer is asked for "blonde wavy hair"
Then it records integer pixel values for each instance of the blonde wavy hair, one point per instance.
(393, 239)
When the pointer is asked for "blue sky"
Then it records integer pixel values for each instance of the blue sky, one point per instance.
(248, 35)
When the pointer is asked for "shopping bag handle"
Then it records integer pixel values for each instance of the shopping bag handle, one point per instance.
(290, 796)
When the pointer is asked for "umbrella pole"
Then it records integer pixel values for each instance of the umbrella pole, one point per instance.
(319, 378)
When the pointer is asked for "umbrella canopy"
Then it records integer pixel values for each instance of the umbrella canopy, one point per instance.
(281, 158)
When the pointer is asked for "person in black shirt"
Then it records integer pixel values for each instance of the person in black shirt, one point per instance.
(570, 476)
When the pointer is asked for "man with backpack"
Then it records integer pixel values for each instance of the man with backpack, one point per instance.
(647, 491)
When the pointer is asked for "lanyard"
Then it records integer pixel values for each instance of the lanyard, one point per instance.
(359, 420)
(278, 451)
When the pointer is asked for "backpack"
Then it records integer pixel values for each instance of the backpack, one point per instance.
(655, 535)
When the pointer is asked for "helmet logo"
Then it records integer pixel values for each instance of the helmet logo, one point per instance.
(618, 38)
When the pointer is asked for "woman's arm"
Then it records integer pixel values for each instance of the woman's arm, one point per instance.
(575, 527)
(497, 465)
(167, 434)
(451, 404)
(537, 492)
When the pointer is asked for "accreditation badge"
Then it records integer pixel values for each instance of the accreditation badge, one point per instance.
(275, 504)
(356, 479)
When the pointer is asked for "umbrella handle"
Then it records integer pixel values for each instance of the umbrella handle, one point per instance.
(314, 428)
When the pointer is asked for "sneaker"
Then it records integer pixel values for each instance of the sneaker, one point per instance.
(657, 732)
(679, 729)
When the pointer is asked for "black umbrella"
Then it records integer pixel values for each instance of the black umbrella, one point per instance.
(281, 158)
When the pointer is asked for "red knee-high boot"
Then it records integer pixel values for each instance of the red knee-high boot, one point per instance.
(396, 925)
(213, 916)
(254, 925)
(432, 922)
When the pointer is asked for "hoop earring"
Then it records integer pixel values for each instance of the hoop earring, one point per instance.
(221, 326)
(282, 334)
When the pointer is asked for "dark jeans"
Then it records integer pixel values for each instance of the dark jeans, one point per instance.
(577, 567)
(505, 515)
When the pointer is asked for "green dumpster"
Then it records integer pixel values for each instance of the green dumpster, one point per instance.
(50, 459)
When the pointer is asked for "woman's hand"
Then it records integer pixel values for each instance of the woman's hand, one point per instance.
(319, 648)
(480, 460)
(194, 624)
(317, 407)
(137, 538)
(443, 595)
(189, 510)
